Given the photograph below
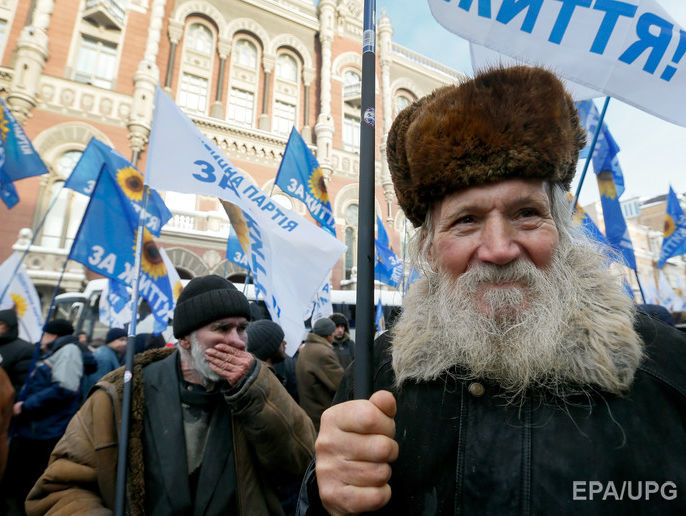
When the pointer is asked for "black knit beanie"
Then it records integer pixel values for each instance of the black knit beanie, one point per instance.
(59, 327)
(206, 299)
(264, 338)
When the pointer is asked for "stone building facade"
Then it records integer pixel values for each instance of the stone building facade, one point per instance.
(245, 71)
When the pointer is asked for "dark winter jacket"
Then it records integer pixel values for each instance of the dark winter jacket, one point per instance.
(52, 395)
(16, 353)
(463, 450)
(318, 372)
(270, 435)
(345, 349)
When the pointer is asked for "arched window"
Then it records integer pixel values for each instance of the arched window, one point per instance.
(68, 207)
(400, 102)
(245, 53)
(196, 67)
(350, 232)
(352, 100)
(287, 68)
(200, 38)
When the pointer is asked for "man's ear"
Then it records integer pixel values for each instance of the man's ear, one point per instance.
(185, 343)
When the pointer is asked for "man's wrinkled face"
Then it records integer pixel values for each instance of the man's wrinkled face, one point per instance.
(489, 230)
(231, 331)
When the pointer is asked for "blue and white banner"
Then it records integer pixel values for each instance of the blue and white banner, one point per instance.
(321, 306)
(388, 268)
(674, 239)
(289, 257)
(96, 157)
(300, 176)
(106, 241)
(22, 296)
(630, 49)
(669, 298)
(234, 251)
(114, 309)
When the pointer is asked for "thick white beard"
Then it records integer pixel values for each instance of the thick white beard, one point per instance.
(569, 325)
(199, 363)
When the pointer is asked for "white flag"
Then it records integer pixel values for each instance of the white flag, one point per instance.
(321, 306)
(22, 296)
(632, 50)
(114, 309)
(669, 297)
(289, 257)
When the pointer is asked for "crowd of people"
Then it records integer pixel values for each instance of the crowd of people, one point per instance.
(519, 378)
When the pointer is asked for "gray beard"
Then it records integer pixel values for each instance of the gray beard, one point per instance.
(199, 363)
(565, 327)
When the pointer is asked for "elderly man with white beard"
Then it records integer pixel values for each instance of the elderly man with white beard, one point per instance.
(212, 429)
(519, 378)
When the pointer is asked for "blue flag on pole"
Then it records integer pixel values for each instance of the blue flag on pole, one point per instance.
(106, 241)
(21, 159)
(18, 158)
(85, 174)
(380, 319)
(616, 230)
(300, 176)
(606, 148)
(234, 251)
(588, 226)
(674, 240)
(381, 234)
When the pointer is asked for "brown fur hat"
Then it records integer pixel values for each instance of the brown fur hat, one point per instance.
(504, 123)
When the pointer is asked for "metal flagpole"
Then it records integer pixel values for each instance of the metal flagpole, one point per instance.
(640, 288)
(590, 153)
(33, 239)
(123, 455)
(365, 238)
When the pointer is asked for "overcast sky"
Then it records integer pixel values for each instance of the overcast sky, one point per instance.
(653, 152)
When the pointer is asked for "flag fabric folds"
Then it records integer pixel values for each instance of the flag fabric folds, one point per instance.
(388, 268)
(669, 298)
(582, 218)
(300, 176)
(616, 229)
(674, 240)
(22, 296)
(289, 257)
(321, 306)
(114, 309)
(380, 319)
(106, 243)
(606, 148)
(234, 251)
(98, 156)
(18, 158)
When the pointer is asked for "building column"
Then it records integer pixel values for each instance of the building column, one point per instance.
(175, 31)
(306, 132)
(385, 33)
(224, 48)
(268, 62)
(144, 83)
(31, 56)
(324, 127)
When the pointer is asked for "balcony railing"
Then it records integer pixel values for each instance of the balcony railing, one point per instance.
(106, 12)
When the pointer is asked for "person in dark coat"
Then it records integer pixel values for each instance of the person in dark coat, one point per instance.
(16, 353)
(343, 345)
(519, 379)
(266, 342)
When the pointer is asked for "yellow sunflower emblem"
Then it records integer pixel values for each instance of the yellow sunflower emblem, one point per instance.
(239, 225)
(131, 182)
(606, 185)
(4, 125)
(20, 304)
(318, 185)
(670, 226)
(176, 290)
(151, 259)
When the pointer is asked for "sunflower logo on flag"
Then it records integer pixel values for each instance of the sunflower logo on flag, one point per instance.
(4, 125)
(131, 182)
(151, 259)
(318, 186)
(606, 185)
(239, 224)
(670, 226)
(176, 290)
(20, 304)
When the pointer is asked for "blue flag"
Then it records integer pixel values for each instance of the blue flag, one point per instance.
(674, 240)
(616, 230)
(85, 174)
(21, 159)
(381, 234)
(380, 319)
(606, 148)
(588, 226)
(106, 241)
(8, 192)
(300, 176)
(234, 251)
